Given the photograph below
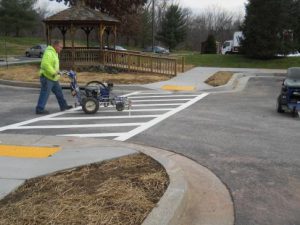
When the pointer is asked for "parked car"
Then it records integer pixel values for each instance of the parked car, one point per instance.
(157, 49)
(37, 51)
(118, 48)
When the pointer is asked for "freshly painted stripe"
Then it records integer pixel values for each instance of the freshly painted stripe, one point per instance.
(159, 119)
(162, 100)
(130, 94)
(150, 105)
(93, 135)
(178, 88)
(159, 96)
(27, 151)
(101, 117)
(13, 126)
(131, 110)
(80, 126)
(154, 93)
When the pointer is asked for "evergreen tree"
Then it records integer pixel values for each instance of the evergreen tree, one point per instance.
(16, 15)
(113, 7)
(295, 16)
(210, 46)
(267, 28)
(173, 27)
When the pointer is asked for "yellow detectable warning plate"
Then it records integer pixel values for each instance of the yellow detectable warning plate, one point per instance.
(27, 151)
(178, 88)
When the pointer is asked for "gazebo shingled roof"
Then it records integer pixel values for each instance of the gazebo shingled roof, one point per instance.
(81, 14)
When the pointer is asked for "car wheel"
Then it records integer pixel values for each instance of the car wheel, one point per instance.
(27, 54)
(41, 55)
(279, 105)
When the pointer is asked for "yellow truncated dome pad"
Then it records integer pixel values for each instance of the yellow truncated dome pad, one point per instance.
(27, 151)
(178, 88)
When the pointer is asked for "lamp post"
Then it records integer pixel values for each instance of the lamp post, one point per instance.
(5, 51)
(153, 25)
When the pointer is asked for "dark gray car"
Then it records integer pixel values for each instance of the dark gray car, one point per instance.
(36, 51)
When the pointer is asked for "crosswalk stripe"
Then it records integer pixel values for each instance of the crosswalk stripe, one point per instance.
(80, 126)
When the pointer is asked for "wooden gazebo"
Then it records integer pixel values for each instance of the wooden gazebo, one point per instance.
(87, 19)
(82, 17)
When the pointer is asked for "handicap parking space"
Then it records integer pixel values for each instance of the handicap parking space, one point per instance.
(147, 109)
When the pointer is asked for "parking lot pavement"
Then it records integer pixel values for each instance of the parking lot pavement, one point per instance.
(148, 109)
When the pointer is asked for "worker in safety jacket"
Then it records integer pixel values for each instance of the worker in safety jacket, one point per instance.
(49, 76)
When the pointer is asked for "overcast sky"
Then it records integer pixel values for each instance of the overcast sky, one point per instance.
(195, 5)
(198, 5)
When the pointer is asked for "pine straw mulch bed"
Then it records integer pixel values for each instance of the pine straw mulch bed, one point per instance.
(219, 78)
(29, 73)
(116, 192)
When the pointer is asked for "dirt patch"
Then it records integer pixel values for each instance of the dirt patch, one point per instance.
(29, 73)
(219, 78)
(117, 192)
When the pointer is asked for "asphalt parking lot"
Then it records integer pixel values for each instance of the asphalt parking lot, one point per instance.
(239, 136)
(247, 144)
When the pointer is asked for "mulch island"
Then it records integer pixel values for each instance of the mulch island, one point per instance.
(116, 192)
(219, 78)
(30, 73)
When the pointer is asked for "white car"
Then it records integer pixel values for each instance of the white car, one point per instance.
(36, 51)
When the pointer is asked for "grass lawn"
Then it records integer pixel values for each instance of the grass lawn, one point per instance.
(238, 61)
(17, 45)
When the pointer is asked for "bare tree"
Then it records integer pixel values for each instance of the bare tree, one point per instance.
(213, 20)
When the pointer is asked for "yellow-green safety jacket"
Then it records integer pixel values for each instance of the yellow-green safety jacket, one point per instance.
(50, 64)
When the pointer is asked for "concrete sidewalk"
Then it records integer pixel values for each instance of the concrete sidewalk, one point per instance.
(195, 195)
(197, 76)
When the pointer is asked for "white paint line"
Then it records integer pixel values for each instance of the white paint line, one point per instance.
(155, 93)
(160, 96)
(80, 126)
(150, 105)
(159, 119)
(130, 94)
(132, 110)
(93, 135)
(101, 117)
(14, 126)
(145, 105)
(162, 100)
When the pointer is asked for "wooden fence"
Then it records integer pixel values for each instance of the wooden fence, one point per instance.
(130, 61)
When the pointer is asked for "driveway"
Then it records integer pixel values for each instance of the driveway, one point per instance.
(247, 144)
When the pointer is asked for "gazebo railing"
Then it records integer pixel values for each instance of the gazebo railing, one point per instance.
(135, 62)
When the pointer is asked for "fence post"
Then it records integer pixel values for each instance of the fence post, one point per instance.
(129, 61)
(151, 63)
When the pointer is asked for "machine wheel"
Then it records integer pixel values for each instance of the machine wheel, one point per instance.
(279, 105)
(295, 113)
(90, 105)
(120, 106)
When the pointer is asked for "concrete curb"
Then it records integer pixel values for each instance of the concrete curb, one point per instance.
(200, 198)
(195, 195)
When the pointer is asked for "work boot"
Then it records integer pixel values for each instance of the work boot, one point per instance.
(44, 112)
(67, 107)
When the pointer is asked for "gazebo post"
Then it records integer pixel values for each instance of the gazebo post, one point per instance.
(87, 31)
(47, 33)
(115, 36)
(63, 30)
(50, 35)
(73, 45)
